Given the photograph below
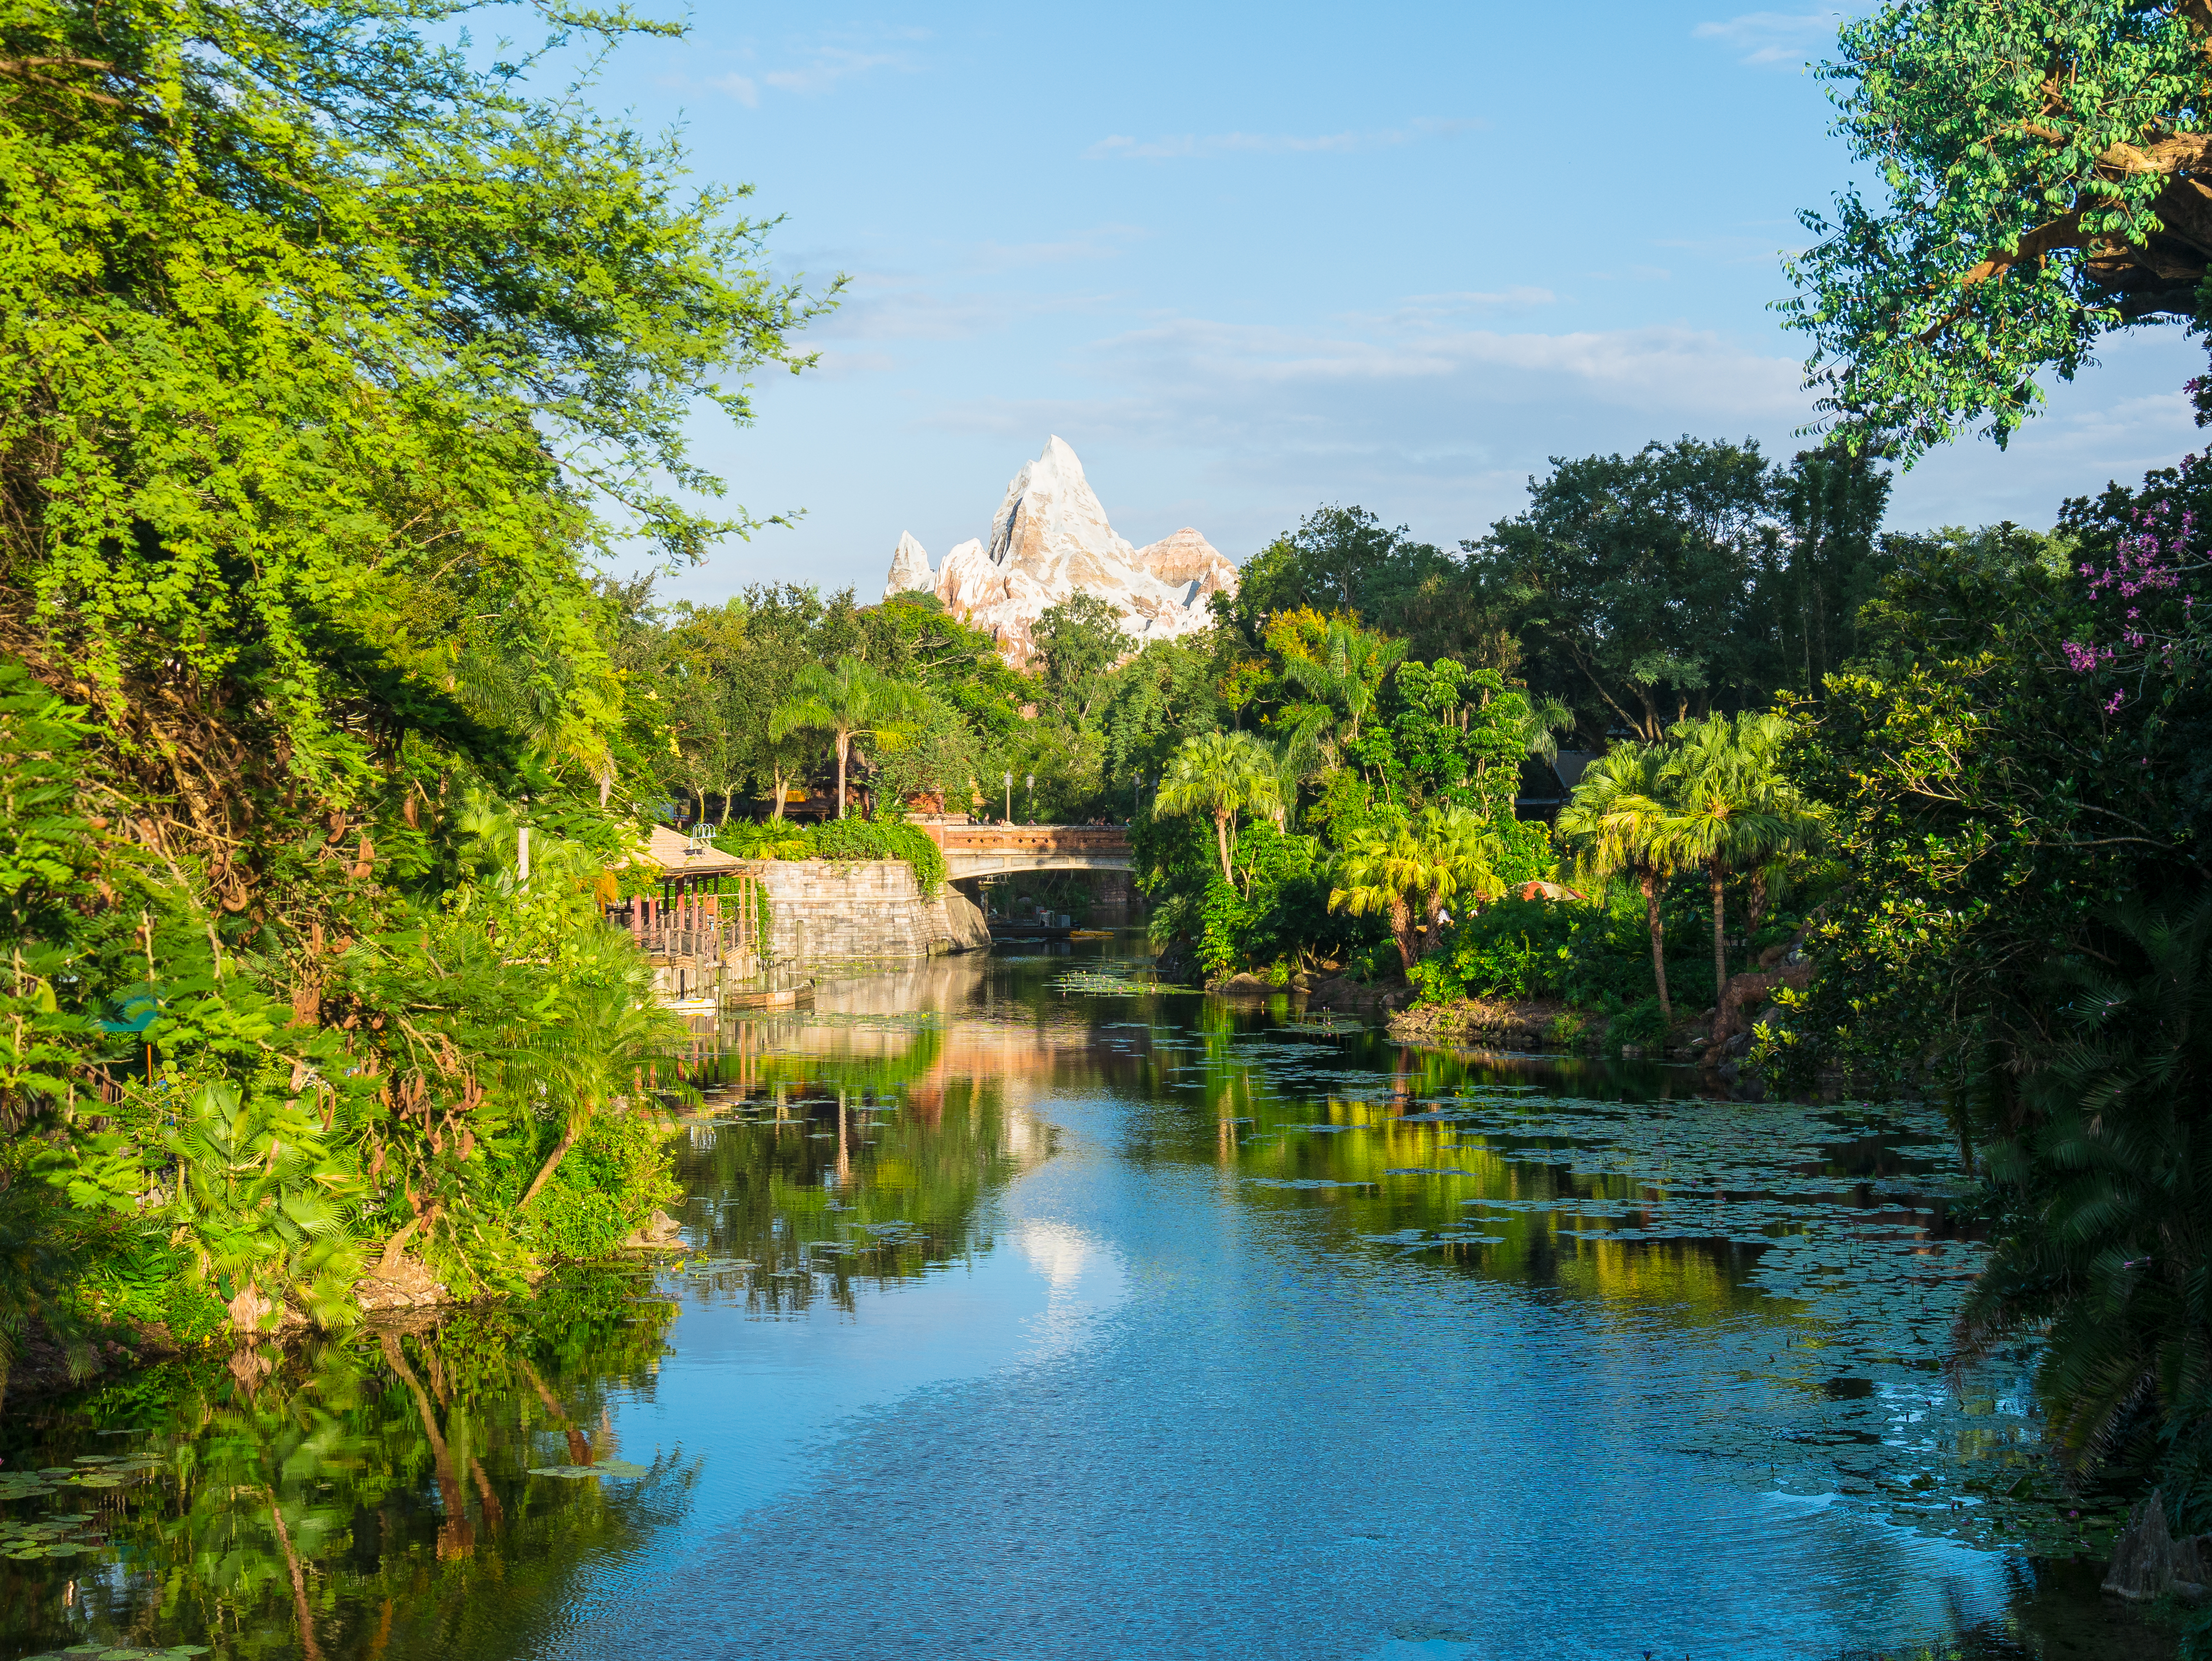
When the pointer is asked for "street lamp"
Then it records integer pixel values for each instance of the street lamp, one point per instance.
(1010, 798)
(1030, 779)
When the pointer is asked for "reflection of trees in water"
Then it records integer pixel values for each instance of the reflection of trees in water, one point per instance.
(366, 1496)
(851, 1171)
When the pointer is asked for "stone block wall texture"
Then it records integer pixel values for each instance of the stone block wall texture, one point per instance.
(829, 910)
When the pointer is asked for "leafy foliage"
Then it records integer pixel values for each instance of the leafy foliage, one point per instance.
(2037, 161)
(269, 743)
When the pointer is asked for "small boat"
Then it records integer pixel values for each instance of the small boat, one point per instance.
(692, 1005)
(783, 997)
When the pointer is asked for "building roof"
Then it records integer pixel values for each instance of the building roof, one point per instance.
(679, 855)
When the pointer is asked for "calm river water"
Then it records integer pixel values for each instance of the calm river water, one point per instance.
(1027, 1313)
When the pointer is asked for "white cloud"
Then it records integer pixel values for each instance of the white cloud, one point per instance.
(1189, 146)
(1100, 242)
(829, 65)
(1670, 366)
(1775, 39)
(814, 66)
(887, 305)
(1411, 412)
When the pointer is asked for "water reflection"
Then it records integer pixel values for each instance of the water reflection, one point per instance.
(372, 1497)
(1031, 1315)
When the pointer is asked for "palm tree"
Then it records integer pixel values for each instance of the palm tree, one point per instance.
(1348, 675)
(846, 702)
(1292, 752)
(1399, 870)
(262, 1206)
(1730, 808)
(1546, 717)
(1222, 774)
(1615, 818)
(602, 1035)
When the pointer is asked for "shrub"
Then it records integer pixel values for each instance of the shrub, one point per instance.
(839, 839)
(1567, 1030)
(611, 1179)
(1640, 1024)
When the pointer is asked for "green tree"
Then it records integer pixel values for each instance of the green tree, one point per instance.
(1617, 816)
(2106, 1186)
(1344, 559)
(592, 1054)
(1162, 696)
(1080, 640)
(1832, 501)
(1344, 676)
(1728, 808)
(324, 350)
(1407, 871)
(1633, 582)
(846, 702)
(2039, 164)
(1222, 774)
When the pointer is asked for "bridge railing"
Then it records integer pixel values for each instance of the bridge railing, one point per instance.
(1028, 838)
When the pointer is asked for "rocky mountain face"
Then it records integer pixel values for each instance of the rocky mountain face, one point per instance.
(1049, 540)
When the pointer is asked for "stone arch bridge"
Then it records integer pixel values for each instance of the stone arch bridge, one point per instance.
(972, 851)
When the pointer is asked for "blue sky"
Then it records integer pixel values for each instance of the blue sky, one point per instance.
(1249, 259)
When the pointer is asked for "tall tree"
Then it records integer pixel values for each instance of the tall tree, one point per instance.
(1221, 774)
(1345, 559)
(1079, 639)
(1832, 500)
(1344, 675)
(1728, 808)
(1408, 870)
(2041, 161)
(1616, 817)
(1633, 581)
(843, 703)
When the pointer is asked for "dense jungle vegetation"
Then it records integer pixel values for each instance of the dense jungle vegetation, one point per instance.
(337, 370)
(329, 363)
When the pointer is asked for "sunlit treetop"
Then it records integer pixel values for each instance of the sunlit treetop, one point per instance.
(330, 338)
(2047, 170)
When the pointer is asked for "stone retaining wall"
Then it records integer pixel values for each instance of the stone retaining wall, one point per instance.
(833, 911)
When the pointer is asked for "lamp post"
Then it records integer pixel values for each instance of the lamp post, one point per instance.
(1010, 798)
(1030, 779)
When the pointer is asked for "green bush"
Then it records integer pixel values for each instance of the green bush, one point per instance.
(839, 839)
(611, 1181)
(1568, 1030)
(1588, 955)
(1640, 1024)
(870, 839)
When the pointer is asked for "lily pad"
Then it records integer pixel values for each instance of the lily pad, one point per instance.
(616, 1468)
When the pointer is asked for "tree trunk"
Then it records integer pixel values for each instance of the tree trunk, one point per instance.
(1715, 873)
(1401, 931)
(781, 790)
(552, 1162)
(844, 748)
(1221, 845)
(1651, 883)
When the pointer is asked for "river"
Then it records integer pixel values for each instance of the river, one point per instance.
(1028, 1312)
